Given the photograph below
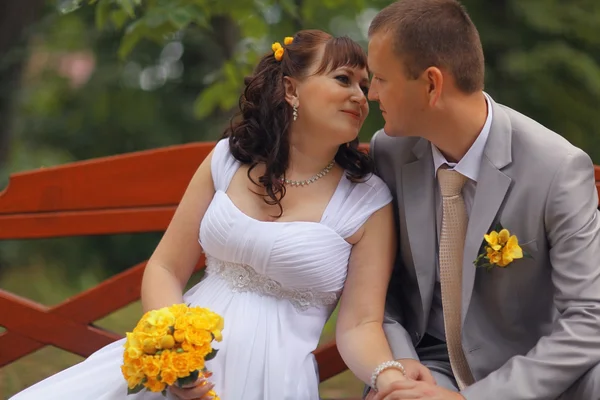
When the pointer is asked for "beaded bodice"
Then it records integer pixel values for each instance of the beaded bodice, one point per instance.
(243, 278)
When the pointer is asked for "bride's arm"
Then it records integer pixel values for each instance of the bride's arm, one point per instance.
(177, 253)
(359, 330)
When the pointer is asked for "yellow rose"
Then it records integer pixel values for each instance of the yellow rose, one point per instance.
(196, 321)
(168, 376)
(288, 40)
(133, 376)
(276, 46)
(132, 363)
(203, 350)
(182, 323)
(181, 364)
(166, 358)
(187, 347)
(196, 360)
(139, 337)
(160, 320)
(151, 366)
(133, 381)
(133, 342)
(178, 310)
(133, 353)
(215, 322)
(197, 337)
(154, 385)
(125, 371)
(203, 318)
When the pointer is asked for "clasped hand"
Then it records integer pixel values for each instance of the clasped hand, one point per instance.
(418, 384)
(193, 391)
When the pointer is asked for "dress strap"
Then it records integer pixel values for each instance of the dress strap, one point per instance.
(223, 165)
(355, 203)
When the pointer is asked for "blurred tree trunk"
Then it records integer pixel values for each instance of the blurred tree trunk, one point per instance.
(225, 32)
(15, 18)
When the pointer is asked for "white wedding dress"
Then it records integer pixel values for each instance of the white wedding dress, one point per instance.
(275, 284)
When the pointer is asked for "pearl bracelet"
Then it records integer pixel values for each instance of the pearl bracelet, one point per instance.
(382, 367)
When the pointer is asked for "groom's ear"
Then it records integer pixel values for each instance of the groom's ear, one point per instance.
(435, 81)
(291, 90)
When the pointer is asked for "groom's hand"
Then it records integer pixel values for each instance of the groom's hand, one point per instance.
(417, 371)
(408, 389)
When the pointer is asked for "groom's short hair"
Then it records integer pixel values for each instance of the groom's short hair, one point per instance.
(434, 33)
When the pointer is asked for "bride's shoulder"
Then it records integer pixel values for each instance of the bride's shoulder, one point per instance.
(369, 188)
(360, 200)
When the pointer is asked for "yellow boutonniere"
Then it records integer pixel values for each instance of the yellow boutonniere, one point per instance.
(499, 249)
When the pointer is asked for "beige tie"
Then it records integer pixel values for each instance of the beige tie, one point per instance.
(452, 243)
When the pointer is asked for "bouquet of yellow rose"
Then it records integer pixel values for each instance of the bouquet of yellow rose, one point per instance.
(169, 346)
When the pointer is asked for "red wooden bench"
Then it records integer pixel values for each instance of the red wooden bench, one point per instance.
(136, 192)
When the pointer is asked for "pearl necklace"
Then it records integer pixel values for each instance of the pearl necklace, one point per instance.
(312, 179)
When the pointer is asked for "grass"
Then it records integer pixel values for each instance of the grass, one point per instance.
(47, 286)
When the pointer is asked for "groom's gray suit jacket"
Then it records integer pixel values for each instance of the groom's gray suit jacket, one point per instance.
(530, 329)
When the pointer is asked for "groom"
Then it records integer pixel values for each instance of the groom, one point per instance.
(464, 169)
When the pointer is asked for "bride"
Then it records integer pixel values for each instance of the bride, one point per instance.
(290, 216)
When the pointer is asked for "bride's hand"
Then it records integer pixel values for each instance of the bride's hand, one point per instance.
(193, 391)
(389, 376)
(386, 378)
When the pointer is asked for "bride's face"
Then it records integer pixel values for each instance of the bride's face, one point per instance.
(333, 105)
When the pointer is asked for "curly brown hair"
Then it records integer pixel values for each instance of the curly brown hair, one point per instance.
(261, 133)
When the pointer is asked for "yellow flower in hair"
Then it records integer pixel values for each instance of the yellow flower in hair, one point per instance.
(279, 54)
(278, 50)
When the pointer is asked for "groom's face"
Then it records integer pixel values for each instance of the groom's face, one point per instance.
(401, 100)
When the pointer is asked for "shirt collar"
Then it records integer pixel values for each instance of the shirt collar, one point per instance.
(469, 164)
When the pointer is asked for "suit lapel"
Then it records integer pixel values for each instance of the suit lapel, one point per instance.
(419, 204)
(492, 187)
